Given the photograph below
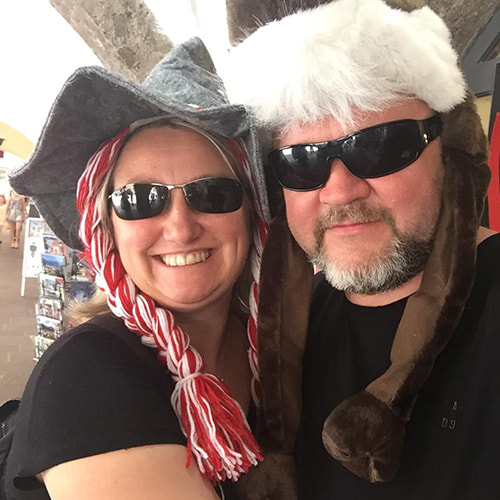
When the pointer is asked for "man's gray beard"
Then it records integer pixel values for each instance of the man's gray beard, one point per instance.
(402, 259)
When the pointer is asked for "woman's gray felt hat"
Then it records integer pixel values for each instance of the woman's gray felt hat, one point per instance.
(94, 104)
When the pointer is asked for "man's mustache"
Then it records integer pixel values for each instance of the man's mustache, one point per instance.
(351, 214)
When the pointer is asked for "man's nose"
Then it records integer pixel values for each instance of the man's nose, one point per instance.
(181, 223)
(343, 187)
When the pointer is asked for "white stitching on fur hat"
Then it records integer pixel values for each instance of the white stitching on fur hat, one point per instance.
(341, 57)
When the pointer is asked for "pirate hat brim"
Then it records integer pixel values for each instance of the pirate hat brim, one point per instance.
(94, 104)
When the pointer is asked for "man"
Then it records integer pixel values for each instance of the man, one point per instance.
(380, 153)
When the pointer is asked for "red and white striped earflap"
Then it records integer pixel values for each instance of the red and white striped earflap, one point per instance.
(218, 435)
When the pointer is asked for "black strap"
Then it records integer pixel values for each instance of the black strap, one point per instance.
(8, 413)
(433, 127)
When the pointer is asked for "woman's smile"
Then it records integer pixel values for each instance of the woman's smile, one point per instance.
(186, 259)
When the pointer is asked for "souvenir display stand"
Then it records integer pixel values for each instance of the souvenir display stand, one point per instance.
(64, 276)
(33, 247)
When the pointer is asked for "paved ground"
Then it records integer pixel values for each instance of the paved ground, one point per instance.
(17, 321)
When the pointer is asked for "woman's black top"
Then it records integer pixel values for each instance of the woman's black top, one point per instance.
(97, 389)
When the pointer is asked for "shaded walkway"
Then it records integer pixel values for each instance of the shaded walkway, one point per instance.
(17, 321)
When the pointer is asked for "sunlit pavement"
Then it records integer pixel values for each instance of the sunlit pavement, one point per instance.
(17, 321)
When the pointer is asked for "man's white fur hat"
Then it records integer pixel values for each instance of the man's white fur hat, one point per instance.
(342, 57)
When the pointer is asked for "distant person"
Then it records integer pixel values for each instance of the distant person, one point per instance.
(150, 400)
(16, 215)
(3, 215)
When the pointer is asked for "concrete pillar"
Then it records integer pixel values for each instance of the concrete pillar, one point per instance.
(122, 33)
(465, 18)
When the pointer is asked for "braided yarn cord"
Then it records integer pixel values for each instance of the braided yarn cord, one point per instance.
(259, 238)
(218, 436)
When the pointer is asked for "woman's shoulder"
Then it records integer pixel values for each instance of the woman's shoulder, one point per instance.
(101, 350)
(92, 392)
(100, 333)
(97, 372)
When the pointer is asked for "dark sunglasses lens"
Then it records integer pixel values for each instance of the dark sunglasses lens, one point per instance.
(140, 201)
(301, 167)
(382, 150)
(216, 195)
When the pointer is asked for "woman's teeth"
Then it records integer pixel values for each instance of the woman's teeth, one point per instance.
(186, 259)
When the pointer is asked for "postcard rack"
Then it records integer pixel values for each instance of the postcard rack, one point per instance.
(65, 277)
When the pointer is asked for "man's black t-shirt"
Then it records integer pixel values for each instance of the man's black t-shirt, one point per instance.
(452, 449)
(97, 389)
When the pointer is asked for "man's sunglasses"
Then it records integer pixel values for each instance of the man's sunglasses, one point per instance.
(210, 195)
(369, 153)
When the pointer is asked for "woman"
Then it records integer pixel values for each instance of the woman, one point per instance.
(16, 214)
(3, 214)
(166, 223)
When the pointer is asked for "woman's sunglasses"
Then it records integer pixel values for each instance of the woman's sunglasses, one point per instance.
(210, 195)
(370, 153)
